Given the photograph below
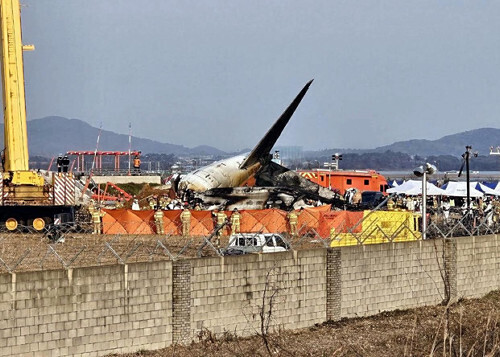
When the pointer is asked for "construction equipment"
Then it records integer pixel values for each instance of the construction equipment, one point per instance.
(106, 196)
(27, 197)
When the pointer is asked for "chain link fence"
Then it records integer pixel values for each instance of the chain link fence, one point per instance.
(75, 245)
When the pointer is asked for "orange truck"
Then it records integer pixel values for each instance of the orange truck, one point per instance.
(362, 180)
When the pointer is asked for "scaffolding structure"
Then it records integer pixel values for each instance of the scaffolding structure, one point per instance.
(97, 156)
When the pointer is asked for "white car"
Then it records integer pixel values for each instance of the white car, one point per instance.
(243, 243)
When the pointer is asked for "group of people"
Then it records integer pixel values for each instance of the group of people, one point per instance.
(165, 203)
(162, 202)
(449, 207)
(220, 221)
(62, 163)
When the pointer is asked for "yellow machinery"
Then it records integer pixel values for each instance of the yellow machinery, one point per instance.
(15, 157)
(24, 195)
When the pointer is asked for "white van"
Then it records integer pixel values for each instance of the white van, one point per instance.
(243, 243)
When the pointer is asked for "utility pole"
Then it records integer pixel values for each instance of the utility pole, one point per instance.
(129, 145)
(335, 165)
(466, 156)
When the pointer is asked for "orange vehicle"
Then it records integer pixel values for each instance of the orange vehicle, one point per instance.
(362, 180)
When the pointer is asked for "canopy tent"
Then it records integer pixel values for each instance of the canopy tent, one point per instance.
(414, 187)
(487, 190)
(459, 189)
(490, 184)
(407, 185)
(394, 183)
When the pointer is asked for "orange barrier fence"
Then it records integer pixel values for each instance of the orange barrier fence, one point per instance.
(318, 219)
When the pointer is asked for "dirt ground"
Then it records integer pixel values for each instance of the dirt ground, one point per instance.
(467, 328)
(29, 252)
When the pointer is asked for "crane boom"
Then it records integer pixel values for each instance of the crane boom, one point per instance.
(16, 158)
(25, 197)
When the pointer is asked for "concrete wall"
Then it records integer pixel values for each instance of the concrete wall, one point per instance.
(227, 294)
(86, 311)
(390, 276)
(125, 308)
(478, 265)
(152, 179)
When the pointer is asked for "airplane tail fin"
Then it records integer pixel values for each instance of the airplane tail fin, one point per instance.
(267, 142)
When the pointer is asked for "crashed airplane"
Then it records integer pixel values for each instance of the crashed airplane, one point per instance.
(218, 185)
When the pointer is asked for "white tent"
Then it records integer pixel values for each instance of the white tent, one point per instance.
(405, 186)
(414, 187)
(459, 189)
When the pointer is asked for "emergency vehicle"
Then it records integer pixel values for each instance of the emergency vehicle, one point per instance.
(341, 180)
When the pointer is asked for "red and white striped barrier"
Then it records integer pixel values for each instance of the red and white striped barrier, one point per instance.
(63, 192)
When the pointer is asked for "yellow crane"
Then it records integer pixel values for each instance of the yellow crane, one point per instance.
(15, 156)
(24, 196)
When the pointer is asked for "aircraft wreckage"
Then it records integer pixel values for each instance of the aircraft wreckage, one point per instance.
(219, 185)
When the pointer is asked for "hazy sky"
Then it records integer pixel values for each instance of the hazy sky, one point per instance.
(220, 72)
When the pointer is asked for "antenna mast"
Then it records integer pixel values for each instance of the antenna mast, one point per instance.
(129, 144)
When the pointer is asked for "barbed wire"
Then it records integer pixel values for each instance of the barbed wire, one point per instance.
(73, 245)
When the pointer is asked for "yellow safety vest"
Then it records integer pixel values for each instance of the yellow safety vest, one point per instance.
(235, 218)
(185, 216)
(221, 217)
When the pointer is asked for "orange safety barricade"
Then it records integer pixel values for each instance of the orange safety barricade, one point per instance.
(123, 221)
(320, 219)
(265, 221)
(342, 221)
(202, 223)
(309, 219)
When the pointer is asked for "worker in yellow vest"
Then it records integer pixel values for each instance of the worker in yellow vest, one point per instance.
(162, 202)
(390, 204)
(91, 208)
(152, 203)
(158, 216)
(235, 221)
(186, 222)
(96, 219)
(221, 219)
(293, 219)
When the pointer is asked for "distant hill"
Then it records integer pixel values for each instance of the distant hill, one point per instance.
(479, 139)
(52, 135)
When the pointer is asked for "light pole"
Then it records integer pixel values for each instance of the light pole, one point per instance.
(329, 165)
(334, 164)
(423, 171)
(466, 156)
(335, 159)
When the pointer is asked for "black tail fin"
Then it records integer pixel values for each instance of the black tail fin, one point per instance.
(267, 142)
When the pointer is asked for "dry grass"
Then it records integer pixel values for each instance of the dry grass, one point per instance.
(468, 328)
